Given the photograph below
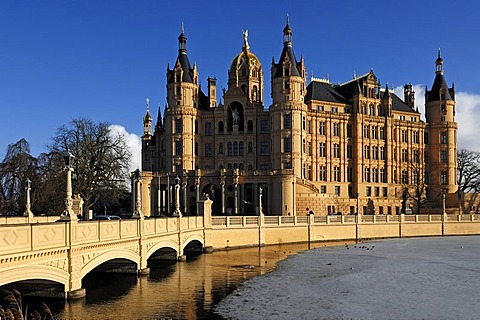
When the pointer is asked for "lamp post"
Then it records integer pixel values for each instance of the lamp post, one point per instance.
(260, 210)
(177, 212)
(357, 195)
(444, 212)
(138, 207)
(28, 213)
(68, 214)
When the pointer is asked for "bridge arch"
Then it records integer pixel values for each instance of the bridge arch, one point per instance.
(107, 256)
(37, 272)
(194, 237)
(162, 244)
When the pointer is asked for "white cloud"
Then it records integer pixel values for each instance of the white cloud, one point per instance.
(134, 143)
(467, 115)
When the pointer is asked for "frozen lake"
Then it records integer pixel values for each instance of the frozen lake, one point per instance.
(415, 278)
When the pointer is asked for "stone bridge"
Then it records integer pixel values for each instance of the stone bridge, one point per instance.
(64, 252)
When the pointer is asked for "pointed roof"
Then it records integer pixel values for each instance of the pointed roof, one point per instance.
(439, 84)
(182, 60)
(386, 93)
(287, 52)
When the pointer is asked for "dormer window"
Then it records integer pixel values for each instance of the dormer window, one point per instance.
(287, 72)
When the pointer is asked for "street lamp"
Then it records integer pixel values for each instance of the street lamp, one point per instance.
(357, 195)
(68, 214)
(28, 213)
(136, 179)
(177, 212)
(260, 211)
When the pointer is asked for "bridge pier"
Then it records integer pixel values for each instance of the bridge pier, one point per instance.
(143, 272)
(76, 294)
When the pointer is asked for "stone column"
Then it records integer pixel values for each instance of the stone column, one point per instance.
(184, 188)
(177, 212)
(260, 210)
(197, 196)
(222, 184)
(138, 200)
(235, 202)
(168, 194)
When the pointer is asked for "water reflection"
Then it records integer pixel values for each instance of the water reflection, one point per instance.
(183, 290)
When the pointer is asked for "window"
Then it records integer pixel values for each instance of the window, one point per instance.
(309, 147)
(376, 191)
(287, 165)
(229, 149)
(350, 174)
(382, 133)
(208, 150)
(304, 123)
(250, 147)
(415, 136)
(416, 177)
(385, 191)
(401, 117)
(321, 149)
(382, 175)
(196, 148)
(334, 109)
(443, 177)
(416, 156)
(404, 176)
(374, 152)
(336, 131)
(220, 148)
(178, 148)
(321, 129)
(250, 126)
(178, 125)
(240, 148)
(443, 156)
(349, 151)
(337, 190)
(235, 149)
(336, 173)
(443, 137)
(287, 84)
(404, 136)
(404, 155)
(309, 124)
(208, 128)
(374, 132)
(303, 145)
(366, 131)
(366, 150)
(263, 126)
(367, 174)
(368, 191)
(336, 150)
(287, 144)
(372, 110)
(287, 72)
(322, 173)
(382, 153)
(374, 175)
(287, 121)
(349, 131)
(323, 189)
(264, 148)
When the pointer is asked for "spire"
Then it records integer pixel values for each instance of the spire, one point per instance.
(287, 33)
(148, 117)
(439, 63)
(182, 42)
(159, 116)
(386, 94)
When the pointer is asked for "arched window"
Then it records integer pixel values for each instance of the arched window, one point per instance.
(250, 148)
(235, 149)
(235, 166)
(229, 149)
(372, 110)
(240, 166)
(229, 166)
(240, 148)
(220, 148)
(244, 72)
(250, 126)
(220, 127)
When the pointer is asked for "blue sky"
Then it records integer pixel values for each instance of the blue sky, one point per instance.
(61, 60)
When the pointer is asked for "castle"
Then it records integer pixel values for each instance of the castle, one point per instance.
(348, 148)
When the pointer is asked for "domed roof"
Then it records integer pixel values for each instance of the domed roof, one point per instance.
(245, 58)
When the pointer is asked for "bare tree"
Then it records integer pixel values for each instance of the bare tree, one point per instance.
(468, 174)
(415, 181)
(16, 167)
(101, 160)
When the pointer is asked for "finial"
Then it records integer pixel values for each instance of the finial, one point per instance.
(354, 75)
(147, 103)
(245, 40)
(439, 53)
(183, 29)
(288, 20)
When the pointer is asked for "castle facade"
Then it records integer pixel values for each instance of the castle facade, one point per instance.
(319, 147)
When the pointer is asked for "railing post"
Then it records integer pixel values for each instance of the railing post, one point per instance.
(400, 225)
(261, 230)
(311, 231)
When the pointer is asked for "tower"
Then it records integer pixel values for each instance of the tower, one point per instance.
(442, 134)
(147, 138)
(180, 116)
(288, 110)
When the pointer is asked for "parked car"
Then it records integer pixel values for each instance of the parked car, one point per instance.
(107, 217)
